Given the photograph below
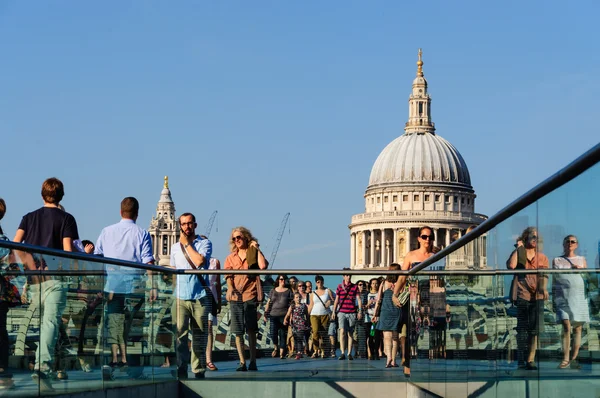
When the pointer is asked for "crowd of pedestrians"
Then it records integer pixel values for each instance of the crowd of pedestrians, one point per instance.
(368, 319)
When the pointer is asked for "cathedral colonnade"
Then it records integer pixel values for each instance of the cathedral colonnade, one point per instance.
(382, 246)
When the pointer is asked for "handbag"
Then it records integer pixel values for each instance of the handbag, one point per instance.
(404, 294)
(200, 277)
(252, 261)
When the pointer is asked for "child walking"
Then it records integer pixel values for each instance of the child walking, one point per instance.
(297, 316)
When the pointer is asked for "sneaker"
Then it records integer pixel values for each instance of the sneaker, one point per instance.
(242, 368)
(342, 357)
(252, 366)
(350, 358)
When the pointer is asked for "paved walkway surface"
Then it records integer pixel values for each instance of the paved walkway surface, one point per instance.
(444, 377)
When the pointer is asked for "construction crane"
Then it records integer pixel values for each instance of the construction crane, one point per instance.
(211, 221)
(278, 240)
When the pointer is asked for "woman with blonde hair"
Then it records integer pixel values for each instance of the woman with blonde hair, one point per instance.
(568, 292)
(244, 292)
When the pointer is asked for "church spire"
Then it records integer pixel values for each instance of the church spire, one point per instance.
(419, 104)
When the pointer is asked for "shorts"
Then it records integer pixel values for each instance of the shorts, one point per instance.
(347, 321)
(212, 319)
(243, 317)
(116, 329)
(332, 329)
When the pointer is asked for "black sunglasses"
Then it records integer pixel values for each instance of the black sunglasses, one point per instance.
(571, 241)
(533, 237)
(282, 279)
(236, 238)
(427, 237)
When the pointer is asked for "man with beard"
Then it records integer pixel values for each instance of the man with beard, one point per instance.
(193, 295)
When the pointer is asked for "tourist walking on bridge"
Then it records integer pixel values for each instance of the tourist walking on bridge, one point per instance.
(568, 292)
(347, 311)
(194, 298)
(244, 292)
(54, 228)
(531, 292)
(402, 289)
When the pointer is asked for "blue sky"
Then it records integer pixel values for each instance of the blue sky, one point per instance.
(257, 109)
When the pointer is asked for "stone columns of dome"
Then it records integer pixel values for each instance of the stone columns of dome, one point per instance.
(352, 250)
(382, 257)
(448, 231)
(395, 247)
(364, 249)
(372, 258)
(436, 232)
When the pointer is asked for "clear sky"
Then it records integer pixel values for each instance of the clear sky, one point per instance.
(256, 109)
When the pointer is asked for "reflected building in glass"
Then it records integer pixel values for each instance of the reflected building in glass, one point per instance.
(418, 179)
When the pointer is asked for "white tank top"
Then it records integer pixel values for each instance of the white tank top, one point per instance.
(318, 308)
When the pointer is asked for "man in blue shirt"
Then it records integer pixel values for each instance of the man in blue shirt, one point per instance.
(124, 241)
(192, 294)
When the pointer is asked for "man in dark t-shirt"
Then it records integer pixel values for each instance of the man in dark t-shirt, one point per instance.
(52, 227)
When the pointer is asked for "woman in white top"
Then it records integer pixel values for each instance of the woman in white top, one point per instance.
(318, 308)
(569, 300)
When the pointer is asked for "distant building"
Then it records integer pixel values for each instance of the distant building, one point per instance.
(418, 179)
(164, 227)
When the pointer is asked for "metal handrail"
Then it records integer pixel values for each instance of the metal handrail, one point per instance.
(566, 174)
(575, 168)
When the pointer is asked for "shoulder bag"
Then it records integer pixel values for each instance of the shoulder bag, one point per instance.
(321, 300)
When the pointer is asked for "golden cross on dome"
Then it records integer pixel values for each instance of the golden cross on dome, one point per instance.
(167, 182)
(420, 63)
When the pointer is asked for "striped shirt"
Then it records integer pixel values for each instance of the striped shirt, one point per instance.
(347, 297)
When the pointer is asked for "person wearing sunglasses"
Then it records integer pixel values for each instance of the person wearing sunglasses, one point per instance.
(408, 314)
(319, 315)
(531, 292)
(276, 308)
(568, 292)
(244, 291)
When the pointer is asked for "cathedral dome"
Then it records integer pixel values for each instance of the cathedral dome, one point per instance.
(420, 158)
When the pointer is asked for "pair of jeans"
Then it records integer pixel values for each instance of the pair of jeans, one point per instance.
(52, 298)
(278, 331)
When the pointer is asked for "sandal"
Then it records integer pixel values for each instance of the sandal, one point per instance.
(211, 366)
(274, 354)
(314, 355)
(564, 364)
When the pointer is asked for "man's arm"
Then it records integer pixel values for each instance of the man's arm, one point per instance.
(218, 287)
(68, 244)
(200, 252)
(335, 304)
(19, 236)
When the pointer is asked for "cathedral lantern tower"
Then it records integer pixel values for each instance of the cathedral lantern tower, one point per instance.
(164, 227)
